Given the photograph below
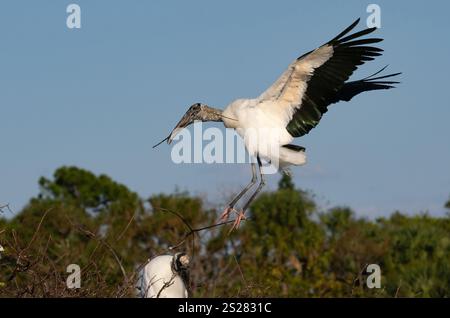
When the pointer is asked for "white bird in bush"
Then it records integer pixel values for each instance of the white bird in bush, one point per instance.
(294, 104)
(165, 276)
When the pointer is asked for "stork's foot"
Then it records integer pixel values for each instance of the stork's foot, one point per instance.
(226, 214)
(237, 221)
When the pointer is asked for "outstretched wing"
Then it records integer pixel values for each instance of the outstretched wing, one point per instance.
(311, 82)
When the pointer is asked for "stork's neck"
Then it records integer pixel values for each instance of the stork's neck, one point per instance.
(212, 114)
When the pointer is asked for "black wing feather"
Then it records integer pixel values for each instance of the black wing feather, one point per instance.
(327, 85)
(370, 83)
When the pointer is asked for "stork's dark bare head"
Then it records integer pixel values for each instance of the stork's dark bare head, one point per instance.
(180, 261)
(197, 111)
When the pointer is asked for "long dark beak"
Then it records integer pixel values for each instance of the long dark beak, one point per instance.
(184, 122)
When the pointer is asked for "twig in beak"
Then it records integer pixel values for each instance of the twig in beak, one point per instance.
(167, 138)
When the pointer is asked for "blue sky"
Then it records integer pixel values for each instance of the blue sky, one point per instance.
(101, 96)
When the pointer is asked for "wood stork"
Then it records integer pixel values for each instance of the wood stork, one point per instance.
(294, 104)
(165, 276)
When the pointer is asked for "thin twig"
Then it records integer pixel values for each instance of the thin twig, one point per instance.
(21, 252)
(396, 292)
(194, 231)
(106, 244)
(37, 230)
(6, 206)
(166, 285)
(240, 270)
(177, 214)
(125, 229)
(359, 278)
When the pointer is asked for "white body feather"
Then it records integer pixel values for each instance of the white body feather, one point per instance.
(263, 127)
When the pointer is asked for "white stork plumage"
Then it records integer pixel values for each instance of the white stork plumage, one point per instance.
(294, 104)
(165, 276)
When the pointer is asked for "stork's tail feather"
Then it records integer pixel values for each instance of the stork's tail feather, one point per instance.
(370, 83)
(295, 147)
(292, 155)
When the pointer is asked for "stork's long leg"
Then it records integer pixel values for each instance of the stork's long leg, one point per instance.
(262, 183)
(233, 202)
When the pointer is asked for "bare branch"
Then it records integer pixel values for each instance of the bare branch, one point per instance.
(194, 231)
(166, 285)
(104, 243)
(191, 231)
(125, 229)
(5, 207)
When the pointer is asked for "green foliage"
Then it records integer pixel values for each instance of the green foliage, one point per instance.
(418, 262)
(337, 220)
(286, 182)
(285, 243)
(83, 188)
(286, 248)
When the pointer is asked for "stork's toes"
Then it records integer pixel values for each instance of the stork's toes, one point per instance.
(226, 214)
(237, 221)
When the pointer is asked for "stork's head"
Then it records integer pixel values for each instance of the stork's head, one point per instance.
(197, 111)
(180, 262)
